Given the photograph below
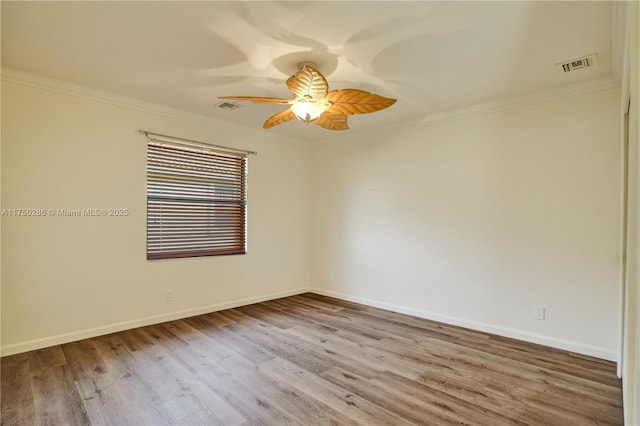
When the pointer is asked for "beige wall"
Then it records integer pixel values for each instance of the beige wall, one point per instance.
(472, 221)
(631, 348)
(65, 278)
(475, 221)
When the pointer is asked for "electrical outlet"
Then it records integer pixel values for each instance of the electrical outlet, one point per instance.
(169, 295)
(539, 312)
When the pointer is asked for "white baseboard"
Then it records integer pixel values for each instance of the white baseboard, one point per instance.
(474, 325)
(59, 339)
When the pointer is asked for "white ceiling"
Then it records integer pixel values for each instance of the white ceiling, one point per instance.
(434, 57)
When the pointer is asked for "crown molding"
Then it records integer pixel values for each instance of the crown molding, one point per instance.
(11, 75)
(36, 81)
(596, 85)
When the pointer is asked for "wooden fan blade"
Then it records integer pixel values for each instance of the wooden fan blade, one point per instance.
(308, 82)
(354, 101)
(332, 121)
(279, 118)
(258, 99)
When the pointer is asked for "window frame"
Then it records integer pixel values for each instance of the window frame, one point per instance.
(197, 200)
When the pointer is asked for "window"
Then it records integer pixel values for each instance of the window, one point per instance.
(196, 201)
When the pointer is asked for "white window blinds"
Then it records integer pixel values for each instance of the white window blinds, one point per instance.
(196, 201)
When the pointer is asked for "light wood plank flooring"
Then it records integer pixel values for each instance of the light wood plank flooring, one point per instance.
(306, 360)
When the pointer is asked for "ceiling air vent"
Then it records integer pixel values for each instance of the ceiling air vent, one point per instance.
(579, 63)
(228, 106)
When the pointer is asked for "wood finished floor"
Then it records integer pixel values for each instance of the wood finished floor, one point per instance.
(306, 360)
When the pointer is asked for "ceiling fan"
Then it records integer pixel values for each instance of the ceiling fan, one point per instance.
(314, 103)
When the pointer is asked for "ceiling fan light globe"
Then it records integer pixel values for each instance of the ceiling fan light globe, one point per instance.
(307, 110)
